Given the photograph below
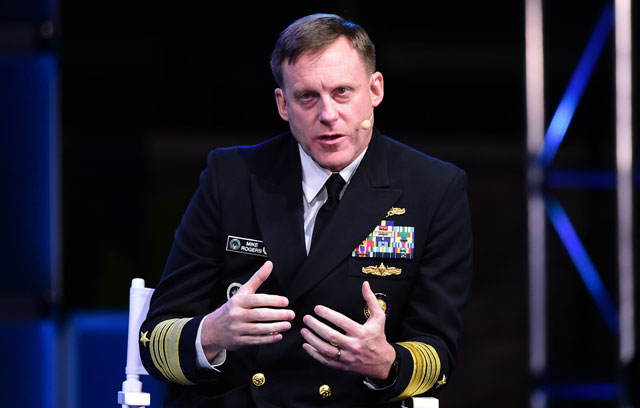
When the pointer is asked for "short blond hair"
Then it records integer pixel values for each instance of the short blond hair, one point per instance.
(314, 33)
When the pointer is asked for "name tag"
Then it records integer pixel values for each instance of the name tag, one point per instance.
(246, 246)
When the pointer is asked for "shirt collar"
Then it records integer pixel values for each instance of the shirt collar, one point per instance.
(314, 176)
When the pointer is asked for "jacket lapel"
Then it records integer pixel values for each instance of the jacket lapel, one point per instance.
(363, 205)
(277, 199)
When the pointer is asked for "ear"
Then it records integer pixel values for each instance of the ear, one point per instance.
(281, 103)
(377, 88)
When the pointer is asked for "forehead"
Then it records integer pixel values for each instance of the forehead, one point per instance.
(339, 60)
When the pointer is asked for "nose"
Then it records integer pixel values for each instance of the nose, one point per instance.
(328, 112)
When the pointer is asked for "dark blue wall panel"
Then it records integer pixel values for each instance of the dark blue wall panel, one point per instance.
(28, 172)
(97, 356)
(27, 370)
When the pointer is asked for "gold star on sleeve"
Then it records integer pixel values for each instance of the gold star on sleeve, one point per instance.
(443, 381)
(143, 338)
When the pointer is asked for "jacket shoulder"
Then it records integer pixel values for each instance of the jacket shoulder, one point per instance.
(410, 163)
(253, 157)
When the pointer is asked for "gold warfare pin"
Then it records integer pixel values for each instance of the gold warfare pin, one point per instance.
(381, 270)
(395, 211)
(383, 301)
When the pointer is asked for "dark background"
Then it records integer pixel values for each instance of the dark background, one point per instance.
(148, 89)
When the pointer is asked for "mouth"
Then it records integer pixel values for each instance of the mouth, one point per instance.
(330, 138)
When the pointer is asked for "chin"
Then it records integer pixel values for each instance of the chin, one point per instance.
(334, 167)
(333, 162)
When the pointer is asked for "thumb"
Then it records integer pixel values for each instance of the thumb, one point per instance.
(375, 309)
(257, 279)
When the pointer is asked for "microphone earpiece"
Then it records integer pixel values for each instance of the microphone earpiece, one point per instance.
(366, 124)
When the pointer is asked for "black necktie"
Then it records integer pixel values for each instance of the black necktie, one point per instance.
(334, 185)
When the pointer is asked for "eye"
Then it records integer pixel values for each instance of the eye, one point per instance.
(306, 97)
(342, 92)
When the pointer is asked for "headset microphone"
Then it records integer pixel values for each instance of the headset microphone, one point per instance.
(366, 124)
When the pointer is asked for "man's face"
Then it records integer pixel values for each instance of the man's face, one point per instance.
(325, 98)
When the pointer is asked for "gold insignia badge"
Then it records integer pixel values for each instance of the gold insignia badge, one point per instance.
(395, 211)
(258, 379)
(381, 270)
(143, 338)
(233, 289)
(443, 381)
(325, 391)
(383, 301)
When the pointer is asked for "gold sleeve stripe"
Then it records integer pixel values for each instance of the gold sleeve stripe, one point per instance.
(173, 356)
(157, 349)
(434, 362)
(162, 352)
(164, 349)
(425, 375)
(426, 368)
(419, 371)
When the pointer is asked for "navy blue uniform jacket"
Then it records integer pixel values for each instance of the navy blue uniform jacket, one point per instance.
(256, 192)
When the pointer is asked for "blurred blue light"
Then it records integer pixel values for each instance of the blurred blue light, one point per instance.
(583, 263)
(567, 107)
(594, 391)
(600, 180)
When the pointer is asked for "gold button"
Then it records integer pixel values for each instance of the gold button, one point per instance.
(325, 391)
(258, 379)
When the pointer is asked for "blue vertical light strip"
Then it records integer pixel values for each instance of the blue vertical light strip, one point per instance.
(48, 361)
(582, 262)
(55, 213)
(569, 102)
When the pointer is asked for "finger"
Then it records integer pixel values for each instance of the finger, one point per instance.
(263, 329)
(327, 333)
(372, 302)
(331, 362)
(257, 279)
(337, 318)
(249, 301)
(257, 340)
(319, 344)
(264, 315)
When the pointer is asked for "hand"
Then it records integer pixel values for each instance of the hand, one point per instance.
(247, 318)
(362, 349)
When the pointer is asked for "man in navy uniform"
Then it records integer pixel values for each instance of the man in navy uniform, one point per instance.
(325, 267)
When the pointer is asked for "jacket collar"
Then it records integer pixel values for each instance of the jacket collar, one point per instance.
(276, 188)
(365, 202)
(277, 198)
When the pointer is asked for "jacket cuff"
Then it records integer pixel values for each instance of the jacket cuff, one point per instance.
(172, 351)
(420, 369)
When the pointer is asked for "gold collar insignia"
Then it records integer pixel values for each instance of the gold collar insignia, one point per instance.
(395, 211)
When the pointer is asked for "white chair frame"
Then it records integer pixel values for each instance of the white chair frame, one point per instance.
(131, 395)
